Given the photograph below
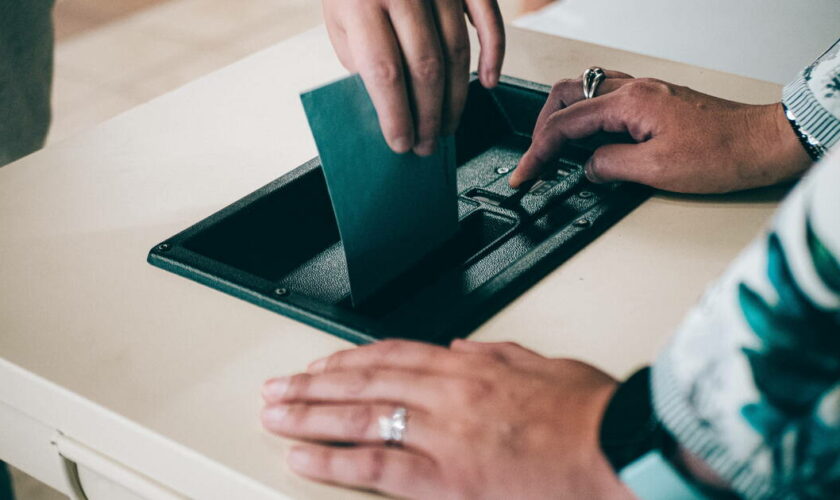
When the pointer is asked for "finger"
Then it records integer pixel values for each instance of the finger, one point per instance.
(338, 39)
(625, 162)
(377, 58)
(415, 27)
(487, 19)
(393, 471)
(412, 389)
(402, 354)
(351, 424)
(456, 53)
(567, 92)
(575, 122)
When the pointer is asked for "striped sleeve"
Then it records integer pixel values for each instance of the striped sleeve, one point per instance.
(750, 383)
(813, 100)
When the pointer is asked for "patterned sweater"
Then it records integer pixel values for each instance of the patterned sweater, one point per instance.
(750, 383)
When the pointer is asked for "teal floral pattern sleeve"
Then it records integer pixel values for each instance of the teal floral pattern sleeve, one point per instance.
(751, 381)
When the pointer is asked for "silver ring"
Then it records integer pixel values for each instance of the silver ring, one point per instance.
(592, 78)
(392, 429)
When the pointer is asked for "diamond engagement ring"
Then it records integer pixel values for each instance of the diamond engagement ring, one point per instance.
(392, 429)
(592, 78)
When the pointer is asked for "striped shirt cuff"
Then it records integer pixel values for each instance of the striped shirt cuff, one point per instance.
(698, 437)
(813, 119)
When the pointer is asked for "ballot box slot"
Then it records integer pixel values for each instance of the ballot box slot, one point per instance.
(482, 196)
(279, 247)
(478, 234)
(275, 234)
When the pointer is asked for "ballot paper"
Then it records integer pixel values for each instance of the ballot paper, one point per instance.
(392, 209)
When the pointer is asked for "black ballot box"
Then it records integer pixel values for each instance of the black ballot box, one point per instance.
(279, 247)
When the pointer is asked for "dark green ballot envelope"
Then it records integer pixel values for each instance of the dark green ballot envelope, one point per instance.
(392, 209)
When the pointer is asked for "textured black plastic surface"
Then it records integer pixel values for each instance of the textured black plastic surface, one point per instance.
(279, 247)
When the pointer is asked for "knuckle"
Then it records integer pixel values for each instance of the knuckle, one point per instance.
(322, 460)
(554, 122)
(566, 362)
(487, 361)
(334, 362)
(296, 416)
(385, 73)
(564, 89)
(390, 348)
(562, 86)
(359, 421)
(472, 391)
(428, 69)
(459, 53)
(360, 381)
(372, 466)
(647, 87)
(298, 385)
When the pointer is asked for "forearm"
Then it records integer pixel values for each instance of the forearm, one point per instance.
(747, 385)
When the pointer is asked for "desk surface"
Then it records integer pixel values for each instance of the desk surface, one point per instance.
(163, 375)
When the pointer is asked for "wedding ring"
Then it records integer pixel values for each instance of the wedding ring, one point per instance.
(592, 78)
(392, 429)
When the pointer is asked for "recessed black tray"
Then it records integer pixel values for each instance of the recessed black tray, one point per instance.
(279, 247)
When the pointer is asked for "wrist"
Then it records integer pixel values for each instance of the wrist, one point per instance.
(788, 156)
(609, 484)
(644, 455)
(699, 471)
(775, 153)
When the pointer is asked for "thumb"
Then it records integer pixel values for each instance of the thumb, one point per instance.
(622, 162)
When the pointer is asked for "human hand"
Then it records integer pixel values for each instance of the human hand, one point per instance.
(414, 58)
(685, 141)
(484, 421)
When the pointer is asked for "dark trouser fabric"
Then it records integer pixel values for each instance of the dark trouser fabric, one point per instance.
(26, 52)
(5, 479)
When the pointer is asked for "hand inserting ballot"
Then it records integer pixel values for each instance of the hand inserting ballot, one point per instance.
(414, 59)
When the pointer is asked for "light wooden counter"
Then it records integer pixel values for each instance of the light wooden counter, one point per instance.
(153, 381)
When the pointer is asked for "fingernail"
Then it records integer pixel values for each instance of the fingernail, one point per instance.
(513, 180)
(402, 145)
(589, 171)
(274, 414)
(298, 458)
(317, 366)
(276, 388)
(425, 148)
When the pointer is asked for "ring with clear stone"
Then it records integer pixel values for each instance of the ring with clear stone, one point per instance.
(392, 429)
